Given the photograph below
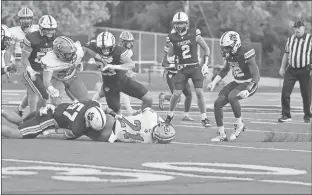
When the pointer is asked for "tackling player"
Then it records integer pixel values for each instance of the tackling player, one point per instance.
(35, 45)
(171, 72)
(87, 118)
(6, 39)
(61, 67)
(183, 44)
(25, 18)
(74, 120)
(117, 62)
(241, 59)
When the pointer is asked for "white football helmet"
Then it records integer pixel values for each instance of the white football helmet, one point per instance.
(47, 26)
(229, 43)
(106, 42)
(126, 39)
(180, 22)
(163, 133)
(6, 37)
(25, 17)
(95, 118)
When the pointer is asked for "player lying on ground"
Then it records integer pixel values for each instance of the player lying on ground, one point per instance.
(87, 118)
(61, 68)
(117, 62)
(241, 59)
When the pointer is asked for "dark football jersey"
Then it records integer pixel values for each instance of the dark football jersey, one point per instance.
(40, 45)
(112, 77)
(71, 116)
(237, 62)
(185, 47)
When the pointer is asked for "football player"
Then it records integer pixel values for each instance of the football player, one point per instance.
(61, 67)
(88, 119)
(35, 45)
(71, 119)
(25, 18)
(171, 72)
(183, 44)
(6, 40)
(126, 40)
(241, 59)
(117, 62)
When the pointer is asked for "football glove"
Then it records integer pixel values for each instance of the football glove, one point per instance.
(44, 110)
(243, 94)
(53, 92)
(205, 70)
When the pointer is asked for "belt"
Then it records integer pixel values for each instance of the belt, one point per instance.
(181, 66)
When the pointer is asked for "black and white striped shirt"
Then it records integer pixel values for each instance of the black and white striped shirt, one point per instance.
(299, 50)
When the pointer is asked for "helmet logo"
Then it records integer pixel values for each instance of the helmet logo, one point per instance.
(90, 116)
(59, 46)
(233, 37)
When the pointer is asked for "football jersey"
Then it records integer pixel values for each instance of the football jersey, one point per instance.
(185, 46)
(137, 128)
(113, 77)
(40, 45)
(17, 37)
(62, 70)
(237, 63)
(71, 116)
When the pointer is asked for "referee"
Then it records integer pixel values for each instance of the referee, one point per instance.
(295, 67)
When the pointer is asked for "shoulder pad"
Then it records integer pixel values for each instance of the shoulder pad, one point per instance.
(172, 31)
(32, 38)
(126, 54)
(34, 27)
(248, 52)
(168, 39)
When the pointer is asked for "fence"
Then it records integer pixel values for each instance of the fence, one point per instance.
(148, 47)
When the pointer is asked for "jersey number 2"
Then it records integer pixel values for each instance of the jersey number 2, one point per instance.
(237, 71)
(136, 127)
(75, 108)
(185, 51)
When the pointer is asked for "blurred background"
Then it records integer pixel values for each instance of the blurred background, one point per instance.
(263, 24)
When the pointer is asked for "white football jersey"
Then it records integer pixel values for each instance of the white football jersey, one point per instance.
(62, 70)
(18, 35)
(138, 128)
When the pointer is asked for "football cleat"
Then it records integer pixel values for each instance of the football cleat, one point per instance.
(168, 119)
(284, 119)
(187, 118)
(206, 123)
(219, 138)
(161, 98)
(237, 131)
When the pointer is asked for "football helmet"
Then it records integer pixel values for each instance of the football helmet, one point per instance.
(6, 37)
(95, 118)
(65, 49)
(163, 133)
(25, 17)
(230, 42)
(106, 42)
(47, 26)
(180, 22)
(126, 39)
